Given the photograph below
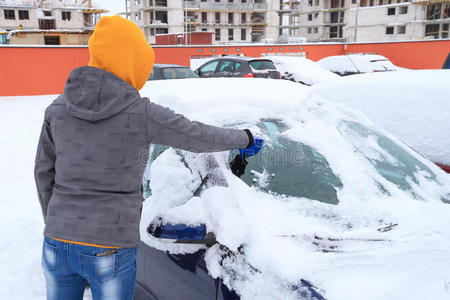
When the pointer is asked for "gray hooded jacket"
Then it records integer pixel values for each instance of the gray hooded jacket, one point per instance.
(93, 150)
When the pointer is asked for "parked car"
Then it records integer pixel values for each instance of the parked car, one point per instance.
(357, 63)
(231, 66)
(446, 64)
(301, 70)
(330, 200)
(168, 71)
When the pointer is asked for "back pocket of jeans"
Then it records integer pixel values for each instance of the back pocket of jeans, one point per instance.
(98, 268)
(49, 256)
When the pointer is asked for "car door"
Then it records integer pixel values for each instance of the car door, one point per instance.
(228, 68)
(208, 69)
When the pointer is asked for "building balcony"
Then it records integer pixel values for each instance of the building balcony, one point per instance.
(221, 6)
(156, 24)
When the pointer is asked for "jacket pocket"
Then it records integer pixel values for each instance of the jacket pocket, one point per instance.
(49, 256)
(99, 268)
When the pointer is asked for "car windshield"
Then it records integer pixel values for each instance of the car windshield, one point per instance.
(290, 168)
(177, 72)
(262, 65)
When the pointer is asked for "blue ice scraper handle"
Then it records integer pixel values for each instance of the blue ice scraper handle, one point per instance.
(252, 149)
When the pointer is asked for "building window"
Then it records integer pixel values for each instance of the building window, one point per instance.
(337, 3)
(335, 32)
(230, 18)
(310, 17)
(217, 18)
(316, 29)
(243, 18)
(243, 34)
(47, 13)
(401, 29)
(204, 18)
(66, 15)
(432, 30)
(389, 30)
(230, 34)
(353, 1)
(310, 2)
(51, 40)
(391, 11)
(217, 31)
(9, 14)
(402, 10)
(24, 15)
(161, 31)
(47, 24)
(316, 2)
(309, 30)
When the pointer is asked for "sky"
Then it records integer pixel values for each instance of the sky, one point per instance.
(114, 6)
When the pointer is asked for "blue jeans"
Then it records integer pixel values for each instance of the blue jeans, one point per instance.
(111, 273)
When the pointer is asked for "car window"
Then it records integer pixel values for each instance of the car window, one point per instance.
(209, 67)
(177, 72)
(229, 66)
(152, 74)
(291, 168)
(391, 161)
(226, 66)
(261, 65)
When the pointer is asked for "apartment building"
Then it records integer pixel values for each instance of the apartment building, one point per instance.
(48, 21)
(364, 20)
(231, 21)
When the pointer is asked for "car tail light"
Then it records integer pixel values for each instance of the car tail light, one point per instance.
(249, 75)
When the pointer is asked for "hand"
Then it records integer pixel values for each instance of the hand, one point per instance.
(252, 149)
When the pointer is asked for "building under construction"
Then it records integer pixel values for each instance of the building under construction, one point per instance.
(365, 20)
(245, 21)
(51, 22)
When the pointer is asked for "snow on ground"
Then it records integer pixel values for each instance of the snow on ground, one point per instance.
(21, 220)
(411, 261)
(302, 69)
(414, 263)
(413, 105)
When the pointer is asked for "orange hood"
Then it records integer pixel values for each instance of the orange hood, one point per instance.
(119, 46)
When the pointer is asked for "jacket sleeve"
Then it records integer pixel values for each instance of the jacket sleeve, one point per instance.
(164, 127)
(44, 169)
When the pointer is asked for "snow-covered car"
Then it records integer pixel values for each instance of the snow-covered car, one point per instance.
(332, 207)
(412, 105)
(301, 69)
(357, 63)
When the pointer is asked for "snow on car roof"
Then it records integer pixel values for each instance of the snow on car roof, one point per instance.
(356, 63)
(285, 236)
(302, 69)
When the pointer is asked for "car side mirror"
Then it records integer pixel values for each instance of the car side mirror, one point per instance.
(181, 233)
(197, 72)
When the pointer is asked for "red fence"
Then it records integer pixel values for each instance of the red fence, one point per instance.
(44, 70)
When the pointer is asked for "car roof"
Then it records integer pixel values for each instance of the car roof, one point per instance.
(242, 58)
(168, 66)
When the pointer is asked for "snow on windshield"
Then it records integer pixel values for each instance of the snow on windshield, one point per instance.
(414, 106)
(302, 69)
(382, 240)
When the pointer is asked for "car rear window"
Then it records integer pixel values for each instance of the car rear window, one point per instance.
(261, 65)
(174, 73)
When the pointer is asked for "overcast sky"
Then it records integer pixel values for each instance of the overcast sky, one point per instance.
(114, 6)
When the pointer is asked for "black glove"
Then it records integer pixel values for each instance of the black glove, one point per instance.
(238, 165)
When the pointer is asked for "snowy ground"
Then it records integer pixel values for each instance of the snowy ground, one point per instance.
(415, 264)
